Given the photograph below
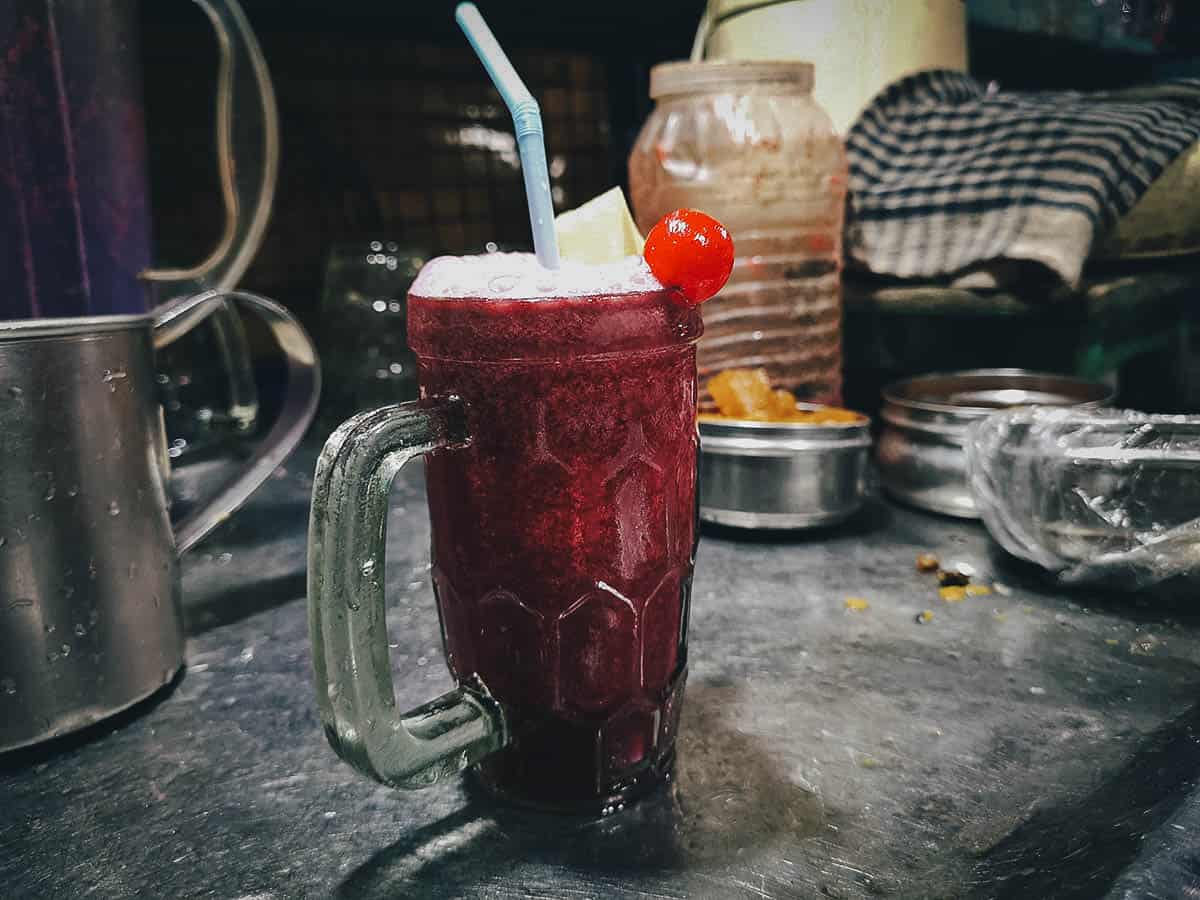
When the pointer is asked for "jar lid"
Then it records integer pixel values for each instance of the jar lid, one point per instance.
(693, 77)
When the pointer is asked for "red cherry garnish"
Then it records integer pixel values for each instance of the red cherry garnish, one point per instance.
(691, 253)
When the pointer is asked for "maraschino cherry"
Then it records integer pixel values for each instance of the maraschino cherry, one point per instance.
(691, 253)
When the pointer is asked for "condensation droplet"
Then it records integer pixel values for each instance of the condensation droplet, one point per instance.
(66, 649)
(111, 377)
(422, 660)
(8, 685)
(73, 491)
(80, 629)
(49, 629)
(114, 508)
(368, 568)
(49, 495)
(15, 392)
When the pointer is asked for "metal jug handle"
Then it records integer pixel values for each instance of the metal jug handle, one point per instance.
(174, 319)
(248, 177)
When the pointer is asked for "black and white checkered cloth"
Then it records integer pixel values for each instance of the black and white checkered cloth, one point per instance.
(948, 176)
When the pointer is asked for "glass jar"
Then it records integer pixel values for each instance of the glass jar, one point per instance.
(746, 142)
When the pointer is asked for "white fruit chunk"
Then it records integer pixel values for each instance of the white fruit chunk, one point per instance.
(600, 231)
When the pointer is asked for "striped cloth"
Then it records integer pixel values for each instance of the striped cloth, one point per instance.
(948, 177)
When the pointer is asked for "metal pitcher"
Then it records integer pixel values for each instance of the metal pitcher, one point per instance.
(75, 213)
(90, 613)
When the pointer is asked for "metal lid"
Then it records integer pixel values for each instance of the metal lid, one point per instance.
(690, 78)
(982, 391)
(743, 436)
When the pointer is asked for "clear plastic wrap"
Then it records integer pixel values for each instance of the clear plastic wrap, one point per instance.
(1091, 495)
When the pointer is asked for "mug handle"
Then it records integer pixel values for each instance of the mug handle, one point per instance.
(248, 178)
(174, 319)
(346, 546)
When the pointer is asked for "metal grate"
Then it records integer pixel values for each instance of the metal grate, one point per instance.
(379, 137)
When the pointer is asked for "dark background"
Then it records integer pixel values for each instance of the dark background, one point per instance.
(391, 130)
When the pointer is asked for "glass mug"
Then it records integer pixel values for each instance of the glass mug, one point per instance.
(561, 449)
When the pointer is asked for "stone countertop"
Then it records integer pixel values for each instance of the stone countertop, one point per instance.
(1025, 743)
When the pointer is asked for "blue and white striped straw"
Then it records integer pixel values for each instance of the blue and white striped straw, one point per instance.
(527, 120)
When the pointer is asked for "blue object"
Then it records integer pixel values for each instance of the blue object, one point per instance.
(527, 120)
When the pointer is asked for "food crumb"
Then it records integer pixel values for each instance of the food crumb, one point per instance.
(1002, 589)
(953, 593)
(869, 762)
(999, 616)
(924, 617)
(858, 604)
(952, 578)
(1112, 642)
(927, 562)
(1037, 691)
(1143, 646)
(978, 590)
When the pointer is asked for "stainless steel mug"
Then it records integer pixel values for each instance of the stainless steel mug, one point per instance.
(90, 612)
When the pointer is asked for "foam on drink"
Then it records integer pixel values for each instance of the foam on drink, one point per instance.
(518, 276)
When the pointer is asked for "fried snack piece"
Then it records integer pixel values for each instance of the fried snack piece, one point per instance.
(744, 394)
(747, 394)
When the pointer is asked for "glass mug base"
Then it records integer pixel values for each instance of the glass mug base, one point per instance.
(587, 767)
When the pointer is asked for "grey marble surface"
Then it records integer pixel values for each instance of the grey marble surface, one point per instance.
(1027, 744)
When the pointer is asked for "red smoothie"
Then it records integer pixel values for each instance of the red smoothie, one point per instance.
(564, 534)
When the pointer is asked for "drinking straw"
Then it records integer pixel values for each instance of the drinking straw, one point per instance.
(527, 120)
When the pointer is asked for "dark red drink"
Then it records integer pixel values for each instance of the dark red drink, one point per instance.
(563, 536)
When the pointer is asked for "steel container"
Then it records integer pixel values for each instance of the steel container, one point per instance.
(921, 454)
(782, 475)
